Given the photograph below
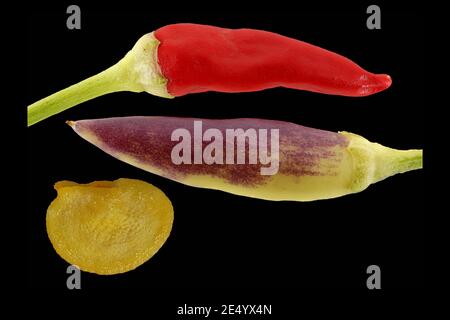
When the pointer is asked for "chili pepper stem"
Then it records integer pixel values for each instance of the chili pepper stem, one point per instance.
(389, 162)
(97, 85)
(138, 71)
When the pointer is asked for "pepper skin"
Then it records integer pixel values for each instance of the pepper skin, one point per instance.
(313, 164)
(197, 58)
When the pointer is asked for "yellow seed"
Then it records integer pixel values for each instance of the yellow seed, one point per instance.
(108, 227)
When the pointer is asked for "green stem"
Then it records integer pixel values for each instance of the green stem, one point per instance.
(100, 84)
(138, 71)
(391, 161)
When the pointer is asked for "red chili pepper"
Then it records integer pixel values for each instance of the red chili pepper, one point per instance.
(198, 58)
(187, 58)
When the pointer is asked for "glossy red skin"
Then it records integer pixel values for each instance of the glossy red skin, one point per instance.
(199, 58)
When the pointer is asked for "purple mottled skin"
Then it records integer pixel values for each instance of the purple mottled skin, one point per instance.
(148, 140)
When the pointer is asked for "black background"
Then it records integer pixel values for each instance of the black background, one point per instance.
(221, 240)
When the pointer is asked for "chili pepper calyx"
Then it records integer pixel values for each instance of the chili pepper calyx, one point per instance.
(373, 162)
(142, 68)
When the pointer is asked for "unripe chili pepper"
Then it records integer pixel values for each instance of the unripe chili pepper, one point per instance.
(311, 164)
(188, 58)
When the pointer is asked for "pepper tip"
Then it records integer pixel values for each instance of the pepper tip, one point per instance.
(374, 83)
(387, 80)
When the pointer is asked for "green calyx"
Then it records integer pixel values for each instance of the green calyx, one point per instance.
(373, 162)
(138, 71)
